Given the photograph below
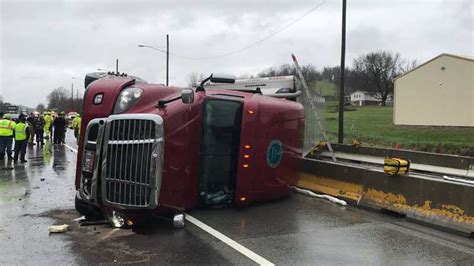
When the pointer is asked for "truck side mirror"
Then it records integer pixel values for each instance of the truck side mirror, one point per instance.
(187, 96)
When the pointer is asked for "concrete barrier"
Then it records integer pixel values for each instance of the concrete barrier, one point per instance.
(430, 200)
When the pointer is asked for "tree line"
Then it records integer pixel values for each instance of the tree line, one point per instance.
(60, 100)
(373, 72)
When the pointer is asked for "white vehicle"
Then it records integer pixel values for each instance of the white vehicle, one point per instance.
(280, 87)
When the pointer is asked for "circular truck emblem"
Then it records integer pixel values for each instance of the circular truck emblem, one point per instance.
(274, 153)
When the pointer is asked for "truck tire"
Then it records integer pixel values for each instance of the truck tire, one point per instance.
(89, 211)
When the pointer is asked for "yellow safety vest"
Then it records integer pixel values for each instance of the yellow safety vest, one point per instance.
(6, 128)
(20, 131)
(76, 122)
(48, 120)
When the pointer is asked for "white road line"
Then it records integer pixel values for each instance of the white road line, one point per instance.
(243, 250)
(231, 243)
(69, 147)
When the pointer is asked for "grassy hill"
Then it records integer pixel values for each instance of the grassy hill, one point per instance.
(327, 89)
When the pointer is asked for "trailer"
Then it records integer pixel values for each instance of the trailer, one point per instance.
(279, 87)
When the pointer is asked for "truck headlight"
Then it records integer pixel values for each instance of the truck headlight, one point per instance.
(126, 99)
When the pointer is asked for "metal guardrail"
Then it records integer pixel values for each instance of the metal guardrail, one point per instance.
(433, 201)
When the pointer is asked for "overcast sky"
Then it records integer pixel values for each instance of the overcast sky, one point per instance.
(44, 44)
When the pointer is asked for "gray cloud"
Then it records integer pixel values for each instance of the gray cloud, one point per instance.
(45, 43)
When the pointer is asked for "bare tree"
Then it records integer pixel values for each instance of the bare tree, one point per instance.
(353, 79)
(59, 100)
(378, 69)
(40, 108)
(2, 105)
(408, 65)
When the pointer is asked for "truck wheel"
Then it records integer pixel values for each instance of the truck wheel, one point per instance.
(89, 211)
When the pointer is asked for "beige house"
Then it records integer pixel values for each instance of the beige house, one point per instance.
(439, 92)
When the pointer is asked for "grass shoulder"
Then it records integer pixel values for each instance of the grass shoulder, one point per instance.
(373, 126)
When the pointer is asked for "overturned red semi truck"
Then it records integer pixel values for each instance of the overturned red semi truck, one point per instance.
(149, 149)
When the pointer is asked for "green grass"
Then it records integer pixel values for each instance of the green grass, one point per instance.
(327, 89)
(372, 125)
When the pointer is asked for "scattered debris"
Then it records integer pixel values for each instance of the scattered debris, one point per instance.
(42, 179)
(58, 228)
(98, 222)
(356, 144)
(79, 219)
(460, 180)
(312, 194)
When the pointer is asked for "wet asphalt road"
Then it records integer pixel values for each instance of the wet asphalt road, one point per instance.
(296, 230)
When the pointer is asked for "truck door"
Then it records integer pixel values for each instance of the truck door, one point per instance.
(220, 141)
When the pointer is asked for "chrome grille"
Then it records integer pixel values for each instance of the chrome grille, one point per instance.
(132, 166)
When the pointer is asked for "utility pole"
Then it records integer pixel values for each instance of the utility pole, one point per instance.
(167, 57)
(341, 89)
(72, 96)
(116, 66)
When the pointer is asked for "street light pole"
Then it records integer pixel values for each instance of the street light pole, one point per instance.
(167, 52)
(167, 57)
(72, 96)
(341, 89)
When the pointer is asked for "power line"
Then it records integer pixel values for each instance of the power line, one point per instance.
(294, 21)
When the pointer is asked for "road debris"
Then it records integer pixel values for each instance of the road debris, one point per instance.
(78, 219)
(89, 223)
(312, 194)
(42, 179)
(58, 228)
(460, 180)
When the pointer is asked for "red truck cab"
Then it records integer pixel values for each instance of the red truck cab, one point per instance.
(151, 149)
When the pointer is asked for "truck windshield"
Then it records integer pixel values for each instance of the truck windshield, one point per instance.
(220, 139)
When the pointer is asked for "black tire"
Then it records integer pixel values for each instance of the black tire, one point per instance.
(89, 211)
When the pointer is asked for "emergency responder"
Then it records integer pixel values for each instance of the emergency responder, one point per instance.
(76, 125)
(22, 134)
(53, 116)
(6, 130)
(59, 126)
(31, 121)
(10, 138)
(48, 122)
(39, 129)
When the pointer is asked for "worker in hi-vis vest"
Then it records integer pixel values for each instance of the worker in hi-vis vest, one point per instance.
(6, 133)
(22, 134)
(76, 125)
(48, 122)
